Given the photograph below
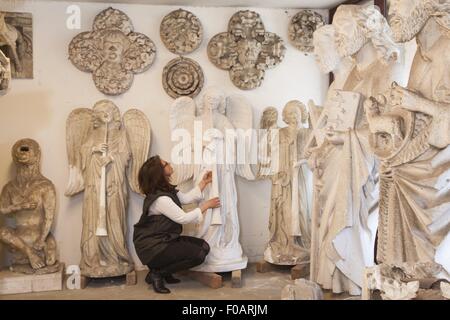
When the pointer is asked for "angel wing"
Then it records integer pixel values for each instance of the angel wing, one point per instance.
(182, 117)
(78, 129)
(239, 112)
(139, 137)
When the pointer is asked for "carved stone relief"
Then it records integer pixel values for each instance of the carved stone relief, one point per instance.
(181, 32)
(409, 129)
(302, 27)
(5, 73)
(246, 50)
(405, 281)
(182, 77)
(105, 151)
(113, 52)
(16, 42)
(30, 199)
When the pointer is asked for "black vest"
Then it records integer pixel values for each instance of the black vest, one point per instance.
(153, 233)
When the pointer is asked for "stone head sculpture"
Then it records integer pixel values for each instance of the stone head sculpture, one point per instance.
(213, 100)
(325, 50)
(357, 25)
(294, 113)
(408, 17)
(26, 152)
(269, 118)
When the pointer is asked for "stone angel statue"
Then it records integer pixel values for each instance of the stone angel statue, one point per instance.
(5, 73)
(220, 118)
(104, 150)
(289, 223)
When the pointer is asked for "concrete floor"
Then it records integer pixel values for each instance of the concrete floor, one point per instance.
(256, 286)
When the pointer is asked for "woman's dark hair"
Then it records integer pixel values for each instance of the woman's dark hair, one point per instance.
(151, 177)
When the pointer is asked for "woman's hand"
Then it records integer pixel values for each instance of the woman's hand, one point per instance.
(207, 179)
(210, 204)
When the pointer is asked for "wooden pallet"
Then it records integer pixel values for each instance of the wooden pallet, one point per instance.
(214, 280)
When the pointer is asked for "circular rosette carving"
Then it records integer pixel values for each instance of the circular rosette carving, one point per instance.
(302, 27)
(181, 31)
(246, 25)
(140, 54)
(111, 79)
(246, 78)
(182, 77)
(84, 51)
(272, 51)
(113, 19)
(222, 51)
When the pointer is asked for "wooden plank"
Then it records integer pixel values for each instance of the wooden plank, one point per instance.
(84, 281)
(131, 278)
(300, 271)
(210, 279)
(263, 266)
(236, 279)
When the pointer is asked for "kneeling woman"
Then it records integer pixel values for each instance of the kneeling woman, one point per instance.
(157, 235)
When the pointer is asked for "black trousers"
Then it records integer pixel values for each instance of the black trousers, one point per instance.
(181, 254)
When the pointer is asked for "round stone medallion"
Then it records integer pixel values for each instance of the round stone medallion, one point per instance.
(182, 77)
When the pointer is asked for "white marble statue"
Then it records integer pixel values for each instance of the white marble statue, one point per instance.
(289, 219)
(218, 115)
(5, 73)
(104, 151)
(362, 59)
(414, 221)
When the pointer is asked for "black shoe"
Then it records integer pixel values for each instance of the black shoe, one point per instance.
(170, 279)
(156, 280)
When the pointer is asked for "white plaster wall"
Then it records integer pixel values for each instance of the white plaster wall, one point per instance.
(38, 108)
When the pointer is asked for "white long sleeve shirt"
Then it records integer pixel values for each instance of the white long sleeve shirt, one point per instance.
(166, 206)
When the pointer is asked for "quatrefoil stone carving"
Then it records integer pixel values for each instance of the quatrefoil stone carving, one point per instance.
(246, 50)
(112, 52)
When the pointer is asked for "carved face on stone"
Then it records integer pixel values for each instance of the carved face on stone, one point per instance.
(26, 152)
(325, 50)
(106, 112)
(213, 99)
(292, 113)
(269, 118)
(115, 45)
(349, 34)
(248, 52)
(407, 18)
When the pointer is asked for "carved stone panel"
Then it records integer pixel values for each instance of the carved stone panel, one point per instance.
(246, 50)
(16, 42)
(181, 32)
(182, 77)
(302, 27)
(112, 51)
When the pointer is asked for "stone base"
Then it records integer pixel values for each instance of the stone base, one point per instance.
(225, 267)
(12, 282)
(302, 289)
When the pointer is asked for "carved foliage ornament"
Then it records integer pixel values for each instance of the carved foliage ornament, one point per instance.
(246, 50)
(181, 32)
(302, 27)
(113, 52)
(182, 77)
